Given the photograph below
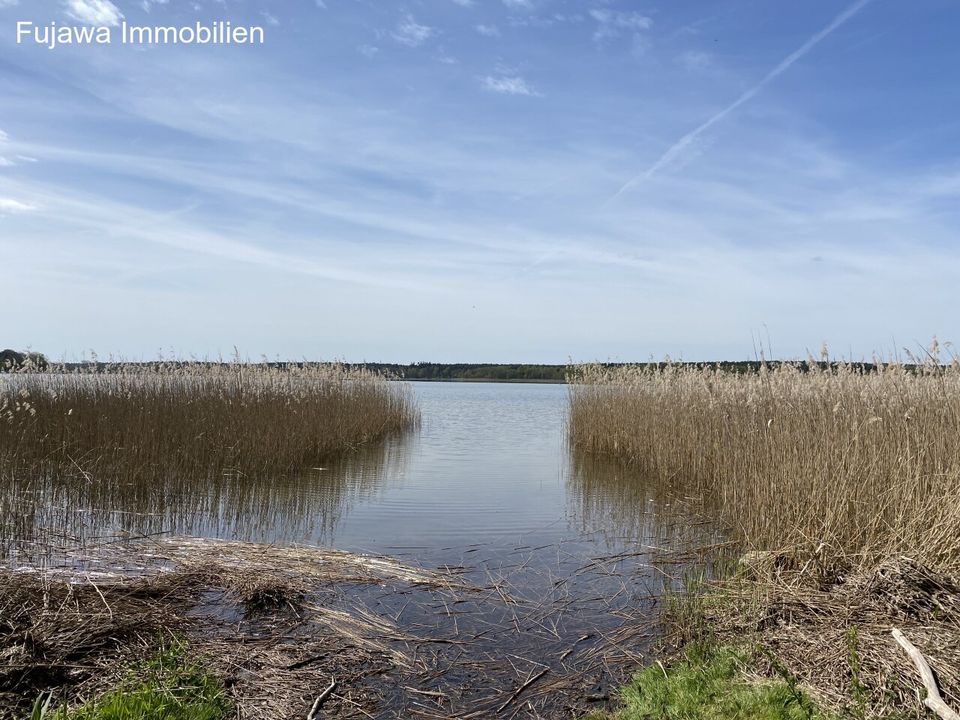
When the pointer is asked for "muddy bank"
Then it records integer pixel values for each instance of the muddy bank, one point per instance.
(541, 633)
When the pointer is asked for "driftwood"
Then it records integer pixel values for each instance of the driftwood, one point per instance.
(933, 699)
(320, 698)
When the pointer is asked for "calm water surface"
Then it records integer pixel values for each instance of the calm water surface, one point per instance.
(488, 467)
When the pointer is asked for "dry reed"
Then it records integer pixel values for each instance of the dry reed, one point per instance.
(842, 480)
(191, 420)
(825, 458)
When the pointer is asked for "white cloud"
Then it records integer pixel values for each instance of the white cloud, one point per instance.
(8, 3)
(488, 30)
(94, 12)
(147, 4)
(411, 33)
(518, 4)
(368, 51)
(6, 162)
(508, 85)
(465, 3)
(696, 60)
(3, 136)
(611, 23)
(270, 18)
(445, 58)
(9, 205)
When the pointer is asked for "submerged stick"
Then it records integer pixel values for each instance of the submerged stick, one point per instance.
(320, 698)
(523, 687)
(933, 699)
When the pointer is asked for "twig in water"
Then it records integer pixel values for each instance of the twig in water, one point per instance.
(523, 687)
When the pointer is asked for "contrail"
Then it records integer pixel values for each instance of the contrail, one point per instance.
(680, 145)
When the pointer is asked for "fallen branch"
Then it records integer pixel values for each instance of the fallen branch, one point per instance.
(933, 699)
(320, 698)
(527, 684)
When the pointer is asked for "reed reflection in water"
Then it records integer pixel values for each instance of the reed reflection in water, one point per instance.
(615, 500)
(43, 517)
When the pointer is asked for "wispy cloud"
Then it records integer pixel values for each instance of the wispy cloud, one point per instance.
(612, 23)
(270, 18)
(488, 30)
(147, 5)
(411, 33)
(508, 85)
(94, 12)
(9, 205)
(8, 3)
(687, 140)
(696, 60)
(518, 4)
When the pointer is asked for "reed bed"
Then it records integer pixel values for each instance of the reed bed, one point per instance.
(191, 420)
(826, 458)
(840, 486)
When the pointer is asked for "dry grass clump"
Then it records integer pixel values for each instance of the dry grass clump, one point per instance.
(56, 634)
(829, 459)
(837, 640)
(191, 420)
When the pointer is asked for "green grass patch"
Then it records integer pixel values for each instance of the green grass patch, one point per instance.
(707, 683)
(169, 686)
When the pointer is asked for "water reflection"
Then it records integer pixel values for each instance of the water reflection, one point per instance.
(42, 517)
(614, 501)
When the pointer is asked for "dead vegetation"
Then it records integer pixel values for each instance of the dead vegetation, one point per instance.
(835, 638)
(539, 634)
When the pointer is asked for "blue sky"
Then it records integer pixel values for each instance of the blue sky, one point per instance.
(485, 180)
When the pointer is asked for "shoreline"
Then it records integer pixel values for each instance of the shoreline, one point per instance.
(397, 638)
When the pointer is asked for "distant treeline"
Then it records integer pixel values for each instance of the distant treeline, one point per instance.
(13, 360)
(461, 372)
(558, 373)
(473, 372)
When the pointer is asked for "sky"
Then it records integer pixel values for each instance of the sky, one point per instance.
(484, 180)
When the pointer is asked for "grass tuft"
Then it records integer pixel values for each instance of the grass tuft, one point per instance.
(706, 682)
(170, 686)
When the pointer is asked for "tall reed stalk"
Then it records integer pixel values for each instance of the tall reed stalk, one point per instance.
(827, 457)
